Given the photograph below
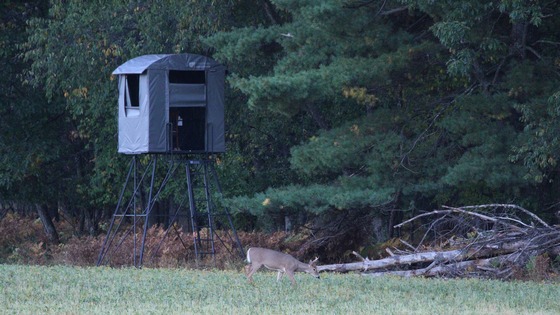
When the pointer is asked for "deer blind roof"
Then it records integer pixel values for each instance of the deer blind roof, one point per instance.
(176, 62)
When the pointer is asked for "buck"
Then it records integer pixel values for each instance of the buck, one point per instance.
(273, 260)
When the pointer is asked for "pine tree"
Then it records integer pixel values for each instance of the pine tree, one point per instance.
(414, 103)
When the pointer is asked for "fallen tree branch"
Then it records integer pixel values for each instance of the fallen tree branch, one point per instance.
(527, 212)
(452, 255)
(457, 268)
(485, 240)
(458, 210)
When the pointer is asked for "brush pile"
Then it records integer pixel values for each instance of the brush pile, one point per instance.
(485, 241)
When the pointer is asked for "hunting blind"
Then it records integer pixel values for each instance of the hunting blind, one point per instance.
(171, 103)
(170, 106)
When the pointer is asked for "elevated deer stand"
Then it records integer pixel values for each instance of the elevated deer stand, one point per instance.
(170, 106)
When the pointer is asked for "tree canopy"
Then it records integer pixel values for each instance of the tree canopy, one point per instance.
(413, 103)
(339, 113)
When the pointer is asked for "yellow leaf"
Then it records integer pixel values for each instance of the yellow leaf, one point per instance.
(266, 202)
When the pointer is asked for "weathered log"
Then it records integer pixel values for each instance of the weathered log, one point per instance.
(425, 257)
(456, 268)
(481, 255)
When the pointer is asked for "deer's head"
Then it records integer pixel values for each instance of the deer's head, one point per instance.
(313, 268)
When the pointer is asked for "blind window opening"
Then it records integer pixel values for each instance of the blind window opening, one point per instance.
(132, 91)
(187, 77)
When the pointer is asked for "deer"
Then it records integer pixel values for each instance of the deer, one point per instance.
(273, 260)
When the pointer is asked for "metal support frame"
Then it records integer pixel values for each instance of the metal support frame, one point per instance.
(141, 191)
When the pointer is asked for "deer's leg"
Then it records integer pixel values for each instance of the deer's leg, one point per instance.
(279, 276)
(252, 269)
(291, 276)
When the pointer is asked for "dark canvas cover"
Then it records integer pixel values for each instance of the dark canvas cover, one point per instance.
(147, 131)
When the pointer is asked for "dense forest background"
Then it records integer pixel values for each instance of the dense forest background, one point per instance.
(343, 117)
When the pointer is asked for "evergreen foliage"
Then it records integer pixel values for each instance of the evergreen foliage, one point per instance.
(337, 110)
(414, 106)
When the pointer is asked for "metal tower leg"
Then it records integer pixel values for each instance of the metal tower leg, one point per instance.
(208, 222)
(234, 238)
(110, 236)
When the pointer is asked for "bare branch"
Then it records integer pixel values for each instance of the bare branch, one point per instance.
(532, 215)
(407, 244)
(491, 240)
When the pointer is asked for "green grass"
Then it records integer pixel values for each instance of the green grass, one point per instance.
(71, 290)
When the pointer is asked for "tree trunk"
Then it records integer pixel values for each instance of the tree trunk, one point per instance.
(270, 12)
(81, 222)
(50, 229)
(317, 116)
(91, 224)
(519, 39)
(395, 216)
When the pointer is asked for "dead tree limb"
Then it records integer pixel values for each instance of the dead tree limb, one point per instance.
(527, 212)
(403, 260)
(479, 240)
(455, 269)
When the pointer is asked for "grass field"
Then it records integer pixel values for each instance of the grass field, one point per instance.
(70, 290)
